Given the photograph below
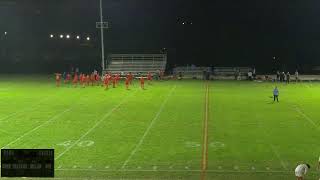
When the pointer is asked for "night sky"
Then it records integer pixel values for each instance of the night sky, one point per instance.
(211, 33)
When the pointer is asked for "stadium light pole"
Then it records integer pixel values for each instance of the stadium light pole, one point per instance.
(102, 41)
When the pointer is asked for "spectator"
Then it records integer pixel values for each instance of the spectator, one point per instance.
(288, 78)
(296, 75)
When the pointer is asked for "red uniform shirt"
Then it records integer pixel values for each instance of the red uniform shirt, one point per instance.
(114, 79)
(149, 76)
(92, 78)
(68, 77)
(88, 78)
(83, 78)
(58, 77)
(97, 77)
(75, 78)
(141, 80)
(106, 80)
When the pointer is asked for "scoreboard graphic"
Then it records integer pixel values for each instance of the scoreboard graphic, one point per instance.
(27, 162)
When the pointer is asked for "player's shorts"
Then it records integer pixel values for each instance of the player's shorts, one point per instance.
(298, 174)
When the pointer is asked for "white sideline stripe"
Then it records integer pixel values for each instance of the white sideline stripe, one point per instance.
(306, 117)
(148, 128)
(46, 122)
(278, 156)
(178, 170)
(94, 126)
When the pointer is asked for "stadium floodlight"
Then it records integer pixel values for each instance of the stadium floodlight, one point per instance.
(51, 35)
(5, 33)
(88, 38)
(78, 37)
(61, 36)
(183, 23)
(67, 36)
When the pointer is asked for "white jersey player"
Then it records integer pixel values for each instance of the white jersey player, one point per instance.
(301, 170)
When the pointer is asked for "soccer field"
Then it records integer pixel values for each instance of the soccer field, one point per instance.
(185, 129)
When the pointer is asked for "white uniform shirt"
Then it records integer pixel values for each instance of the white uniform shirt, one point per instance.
(301, 169)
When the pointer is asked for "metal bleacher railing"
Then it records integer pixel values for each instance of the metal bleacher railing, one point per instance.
(136, 63)
(229, 71)
(191, 71)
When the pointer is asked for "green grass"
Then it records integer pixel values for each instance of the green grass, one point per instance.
(157, 133)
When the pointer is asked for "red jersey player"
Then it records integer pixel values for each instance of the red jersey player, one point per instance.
(88, 80)
(92, 79)
(149, 77)
(80, 79)
(142, 82)
(58, 78)
(114, 81)
(106, 81)
(130, 77)
(98, 79)
(83, 80)
(68, 78)
(117, 78)
(75, 79)
(127, 81)
(109, 76)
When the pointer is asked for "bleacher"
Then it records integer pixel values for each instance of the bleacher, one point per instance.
(191, 71)
(230, 71)
(136, 63)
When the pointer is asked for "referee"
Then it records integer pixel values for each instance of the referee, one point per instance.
(275, 94)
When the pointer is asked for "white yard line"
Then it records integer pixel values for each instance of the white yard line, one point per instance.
(25, 109)
(205, 131)
(34, 129)
(306, 117)
(94, 126)
(148, 128)
(274, 150)
(284, 165)
(6, 132)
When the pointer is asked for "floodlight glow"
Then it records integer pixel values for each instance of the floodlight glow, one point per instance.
(61, 36)
(5, 33)
(183, 23)
(88, 38)
(78, 37)
(68, 36)
(51, 35)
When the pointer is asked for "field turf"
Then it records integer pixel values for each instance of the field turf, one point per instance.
(187, 129)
